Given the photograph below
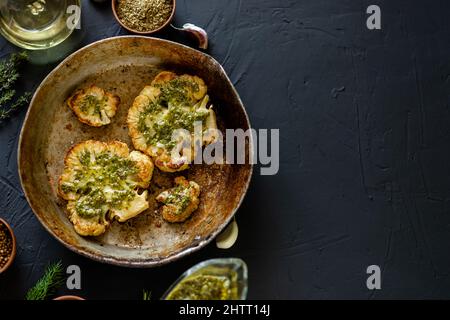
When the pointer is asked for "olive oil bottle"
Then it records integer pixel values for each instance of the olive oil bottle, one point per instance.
(38, 24)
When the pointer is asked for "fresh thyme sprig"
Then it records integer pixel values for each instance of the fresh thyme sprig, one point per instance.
(21, 101)
(50, 281)
(8, 76)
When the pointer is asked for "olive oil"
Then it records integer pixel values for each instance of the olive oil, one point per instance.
(38, 24)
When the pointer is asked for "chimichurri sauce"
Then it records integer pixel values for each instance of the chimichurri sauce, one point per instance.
(102, 182)
(180, 113)
(204, 287)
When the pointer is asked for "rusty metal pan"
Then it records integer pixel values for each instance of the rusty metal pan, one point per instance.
(124, 65)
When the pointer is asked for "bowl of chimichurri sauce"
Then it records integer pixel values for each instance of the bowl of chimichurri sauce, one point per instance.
(215, 279)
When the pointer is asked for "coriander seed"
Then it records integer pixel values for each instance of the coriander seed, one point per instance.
(144, 15)
(6, 245)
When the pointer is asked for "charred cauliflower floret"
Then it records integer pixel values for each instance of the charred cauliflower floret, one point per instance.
(87, 226)
(180, 201)
(94, 106)
(100, 182)
(163, 117)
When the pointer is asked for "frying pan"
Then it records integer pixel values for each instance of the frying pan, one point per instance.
(124, 65)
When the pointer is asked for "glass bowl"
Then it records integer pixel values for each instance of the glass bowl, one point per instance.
(38, 24)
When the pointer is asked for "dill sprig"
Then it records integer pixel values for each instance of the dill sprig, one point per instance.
(50, 281)
(9, 74)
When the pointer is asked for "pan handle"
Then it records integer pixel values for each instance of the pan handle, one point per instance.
(199, 33)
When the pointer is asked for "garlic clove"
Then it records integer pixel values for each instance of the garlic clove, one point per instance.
(228, 237)
(199, 33)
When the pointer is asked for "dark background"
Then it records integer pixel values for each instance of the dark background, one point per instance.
(364, 179)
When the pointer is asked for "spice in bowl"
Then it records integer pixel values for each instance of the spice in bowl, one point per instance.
(7, 246)
(144, 15)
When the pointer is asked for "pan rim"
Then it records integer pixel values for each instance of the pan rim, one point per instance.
(135, 263)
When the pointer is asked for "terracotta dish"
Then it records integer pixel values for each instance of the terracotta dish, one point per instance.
(68, 298)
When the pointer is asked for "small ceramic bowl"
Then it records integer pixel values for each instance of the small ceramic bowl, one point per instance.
(114, 5)
(69, 298)
(13, 252)
(219, 267)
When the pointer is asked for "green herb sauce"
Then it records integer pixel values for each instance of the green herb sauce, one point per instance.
(181, 114)
(177, 91)
(204, 287)
(92, 105)
(102, 182)
(180, 196)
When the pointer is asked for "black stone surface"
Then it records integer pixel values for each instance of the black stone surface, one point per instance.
(364, 179)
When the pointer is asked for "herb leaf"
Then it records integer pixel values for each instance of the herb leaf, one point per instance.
(50, 281)
(146, 295)
(8, 76)
(21, 101)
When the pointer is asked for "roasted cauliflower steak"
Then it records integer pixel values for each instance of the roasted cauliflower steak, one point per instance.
(101, 182)
(180, 201)
(94, 106)
(164, 116)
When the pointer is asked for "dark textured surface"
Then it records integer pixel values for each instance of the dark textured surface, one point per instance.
(365, 160)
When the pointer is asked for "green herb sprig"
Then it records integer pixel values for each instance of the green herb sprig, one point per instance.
(50, 281)
(146, 295)
(9, 74)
